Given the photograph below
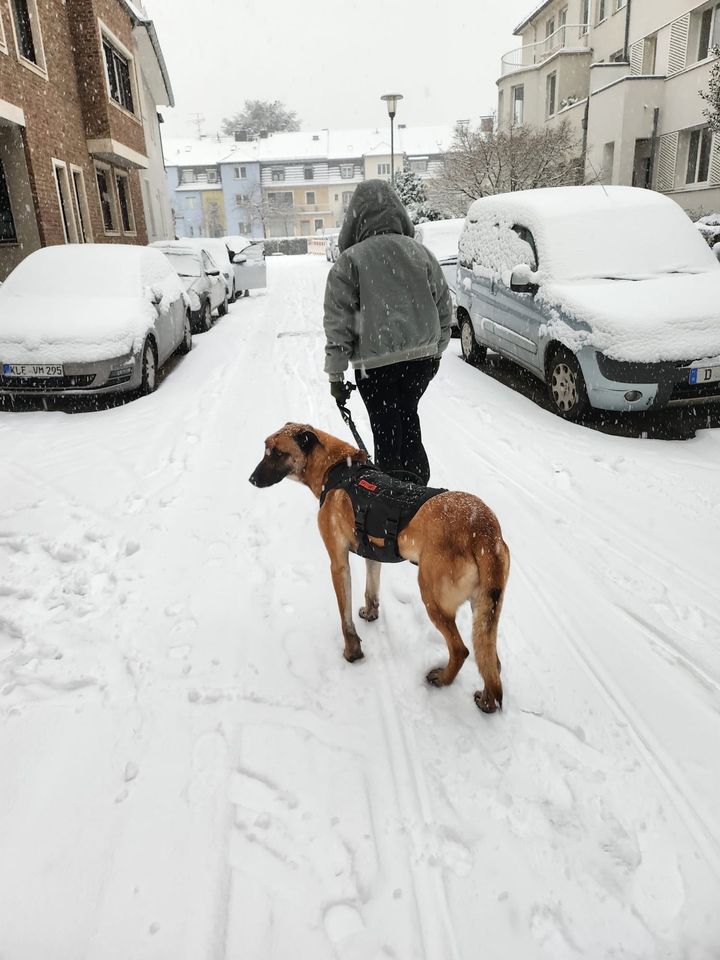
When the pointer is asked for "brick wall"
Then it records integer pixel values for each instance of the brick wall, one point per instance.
(56, 124)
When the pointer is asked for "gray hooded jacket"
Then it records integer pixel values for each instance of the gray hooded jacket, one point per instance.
(386, 299)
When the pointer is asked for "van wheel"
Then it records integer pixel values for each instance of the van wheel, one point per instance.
(223, 308)
(472, 352)
(566, 386)
(205, 320)
(186, 342)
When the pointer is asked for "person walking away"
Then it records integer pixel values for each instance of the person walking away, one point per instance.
(387, 313)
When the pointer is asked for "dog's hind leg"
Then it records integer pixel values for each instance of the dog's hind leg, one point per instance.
(487, 604)
(444, 620)
(372, 591)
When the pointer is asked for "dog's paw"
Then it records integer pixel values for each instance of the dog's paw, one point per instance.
(352, 655)
(369, 613)
(486, 701)
(435, 677)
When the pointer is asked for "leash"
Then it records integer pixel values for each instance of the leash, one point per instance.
(347, 417)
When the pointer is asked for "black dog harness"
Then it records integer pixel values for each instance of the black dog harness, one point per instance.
(383, 506)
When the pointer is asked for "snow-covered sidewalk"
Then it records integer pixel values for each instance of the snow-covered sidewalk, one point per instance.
(190, 768)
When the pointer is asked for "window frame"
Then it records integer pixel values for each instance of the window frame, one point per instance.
(38, 66)
(418, 165)
(308, 201)
(277, 175)
(240, 173)
(551, 78)
(64, 197)
(3, 39)
(351, 168)
(585, 26)
(602, 11)
(308, 175)
(713, 32)
(107, 36)
(81, 206)
(620, 5)
(123, 175)
(513, 103)
(383, 169)
(703, 156)
(319, 223)
(9, 241)
(108, 173)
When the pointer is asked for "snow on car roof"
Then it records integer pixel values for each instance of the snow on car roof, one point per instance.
(441, 237)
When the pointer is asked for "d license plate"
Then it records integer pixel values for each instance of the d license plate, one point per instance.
(699, 375)
(33, 370)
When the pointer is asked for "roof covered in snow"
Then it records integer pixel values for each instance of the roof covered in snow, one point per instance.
(311, 145)
(531, 16)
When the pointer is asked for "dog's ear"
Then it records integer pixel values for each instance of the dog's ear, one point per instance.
(306, 440)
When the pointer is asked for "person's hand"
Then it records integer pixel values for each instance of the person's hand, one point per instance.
(340, 391)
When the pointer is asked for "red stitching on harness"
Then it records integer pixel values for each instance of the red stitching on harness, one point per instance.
(372, 487)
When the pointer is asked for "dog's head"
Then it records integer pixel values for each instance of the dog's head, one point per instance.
(286, 455)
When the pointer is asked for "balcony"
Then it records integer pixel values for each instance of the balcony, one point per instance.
(568, 38)
(311, 208)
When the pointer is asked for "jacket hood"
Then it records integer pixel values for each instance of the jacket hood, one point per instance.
(375, 209)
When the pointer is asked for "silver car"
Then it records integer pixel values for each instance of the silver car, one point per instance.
(203, 280)
(609, 295)
(90, 319)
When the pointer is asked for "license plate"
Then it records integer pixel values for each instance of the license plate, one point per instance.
(32, 370)
(699, 375)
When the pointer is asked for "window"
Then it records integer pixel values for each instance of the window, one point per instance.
(347, 171)
(281, 199)
(3, 44)
(211, 175)
(8, 233)
(418, 166)
(501, 106)
(608, 162)
(26, 26)
(319, 224)
(118, 76)
(562, 23)
(241, 198)
(617, 57)
(699, 150)
(518, 102)
(531, 255)
(383, 169)
(551, 98)
(80, 205)
(709, 31)
(126, 208)
(62, 183)
(550, 27)
(277, 175)
(346, 198)
(619, 4)
(649, 55)
(602, 11)
(584, 17)
(308, 173)
(107, 199)
(310, 197)
(191, 203)
(240, 173)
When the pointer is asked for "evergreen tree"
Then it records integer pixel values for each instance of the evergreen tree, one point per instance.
(261, 116)
(413, 193)
(712, 95)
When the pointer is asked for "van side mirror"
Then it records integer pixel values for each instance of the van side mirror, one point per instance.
(213, 273)
(522, 280)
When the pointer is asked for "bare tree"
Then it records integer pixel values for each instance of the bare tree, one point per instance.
(258, 116)
(521, 158)
(712, 95)
(271, 212)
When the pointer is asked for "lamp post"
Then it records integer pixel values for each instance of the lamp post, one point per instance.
(391, 99)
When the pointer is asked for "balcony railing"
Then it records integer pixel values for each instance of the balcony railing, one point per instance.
(567, 37)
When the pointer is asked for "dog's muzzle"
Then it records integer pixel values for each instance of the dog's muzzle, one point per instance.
(266, 475)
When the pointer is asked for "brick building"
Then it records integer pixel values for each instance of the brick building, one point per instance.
(78, 110)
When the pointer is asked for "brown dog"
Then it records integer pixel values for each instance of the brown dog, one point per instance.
(454, 539)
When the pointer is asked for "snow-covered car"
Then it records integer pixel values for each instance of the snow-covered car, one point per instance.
(216, 249)
(203, 281)
(90, 319)
(441, 238)
(608, 294)
(247, 257)
(332, 251)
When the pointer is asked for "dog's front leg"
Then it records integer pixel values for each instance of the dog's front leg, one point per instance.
(340, 569)
(372, 591)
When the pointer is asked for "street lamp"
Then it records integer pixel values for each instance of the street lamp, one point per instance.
(391, 99)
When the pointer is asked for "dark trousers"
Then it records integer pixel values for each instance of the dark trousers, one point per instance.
(391, 395)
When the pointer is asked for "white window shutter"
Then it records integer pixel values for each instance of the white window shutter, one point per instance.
(714, 177)
(667, 162)
(679, 34)
(637, 54)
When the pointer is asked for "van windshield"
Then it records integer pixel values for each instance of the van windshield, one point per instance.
(185, 264)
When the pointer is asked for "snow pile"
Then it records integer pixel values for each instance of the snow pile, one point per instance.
(83, 303)
(709, 227)
(619, 269)
(441, 237)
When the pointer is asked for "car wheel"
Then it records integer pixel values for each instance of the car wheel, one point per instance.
(566, 386)
(235, 294)
(148, 383)
(247, 293)
(223, 308)
(472, 352)
(186, 342)
(205, 319)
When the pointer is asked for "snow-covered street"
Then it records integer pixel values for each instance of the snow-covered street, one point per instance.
(191, 770)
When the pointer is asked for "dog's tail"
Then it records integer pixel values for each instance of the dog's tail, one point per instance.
(493, 570)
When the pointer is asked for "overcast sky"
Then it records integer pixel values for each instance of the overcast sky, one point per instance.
(330, 60)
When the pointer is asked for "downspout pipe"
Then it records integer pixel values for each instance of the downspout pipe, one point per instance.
(626, 50)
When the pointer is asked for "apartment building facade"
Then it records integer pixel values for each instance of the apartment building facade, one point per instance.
(77, 94)
(626, 75)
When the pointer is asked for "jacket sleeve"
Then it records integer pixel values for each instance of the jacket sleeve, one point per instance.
(342, 303)
(443, 302)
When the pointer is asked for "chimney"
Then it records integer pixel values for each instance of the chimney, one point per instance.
(241, 136)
